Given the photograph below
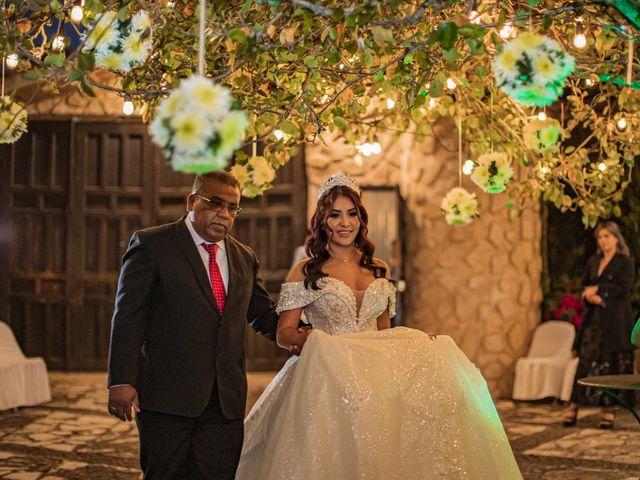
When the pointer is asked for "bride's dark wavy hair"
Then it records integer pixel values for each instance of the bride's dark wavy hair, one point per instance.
(317, 243)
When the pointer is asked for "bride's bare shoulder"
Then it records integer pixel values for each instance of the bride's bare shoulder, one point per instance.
(296, 274)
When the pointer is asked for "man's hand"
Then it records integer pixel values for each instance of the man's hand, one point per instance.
(299, 340)
(121, 399)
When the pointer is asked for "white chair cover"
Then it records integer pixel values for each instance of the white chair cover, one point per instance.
(569, 376)
(542, 372)
(23, 381)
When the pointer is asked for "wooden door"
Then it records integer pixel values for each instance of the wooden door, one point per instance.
(71, 194)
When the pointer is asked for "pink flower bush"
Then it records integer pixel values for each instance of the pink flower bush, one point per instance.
(570, 309)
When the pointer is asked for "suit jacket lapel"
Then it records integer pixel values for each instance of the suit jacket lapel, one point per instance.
(190, 251)
(233, 260)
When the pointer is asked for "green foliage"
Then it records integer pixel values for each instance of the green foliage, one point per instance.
(311, 69)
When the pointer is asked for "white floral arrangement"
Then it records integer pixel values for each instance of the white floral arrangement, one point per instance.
(13, 120)
(119, 45)
(542, 135)
(532, 69)
(459, 206)
(196, 127)
(492, 172)
(255, 175)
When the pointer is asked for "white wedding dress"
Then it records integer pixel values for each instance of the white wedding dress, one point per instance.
(366, 404)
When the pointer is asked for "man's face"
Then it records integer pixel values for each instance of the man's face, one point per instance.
(211, 219)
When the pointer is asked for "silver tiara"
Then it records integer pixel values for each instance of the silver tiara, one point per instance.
(339, 179)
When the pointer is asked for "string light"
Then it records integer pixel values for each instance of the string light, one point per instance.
(432, 103)
(77, 13)
(451, 84)
(128, 108)
(390, 103)
(507, 30)
(58, 43)
(467, 168)
(341, 66)
(542, 116)
(622, 123)
(376, 148)
(602, 167)
(579, 41)
(12, 61)
(544, 170)
(368, 149)
(279, 134)
(588, 82)
(474, 17)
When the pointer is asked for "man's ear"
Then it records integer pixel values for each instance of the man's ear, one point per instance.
(190, 199)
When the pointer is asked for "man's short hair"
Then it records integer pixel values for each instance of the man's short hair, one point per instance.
(221, 176)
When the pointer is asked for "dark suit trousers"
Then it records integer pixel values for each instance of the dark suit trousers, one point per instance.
(182, 448)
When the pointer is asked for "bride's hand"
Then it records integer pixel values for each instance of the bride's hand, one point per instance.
(300, 337)
(432, 335)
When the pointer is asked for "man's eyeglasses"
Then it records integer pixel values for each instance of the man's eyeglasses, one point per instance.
(216, 204)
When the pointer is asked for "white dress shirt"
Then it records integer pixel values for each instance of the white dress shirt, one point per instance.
(221, 254)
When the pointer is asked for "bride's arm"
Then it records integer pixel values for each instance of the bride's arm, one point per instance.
(288, 335)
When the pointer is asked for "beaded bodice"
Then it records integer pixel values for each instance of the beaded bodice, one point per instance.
(333, 307)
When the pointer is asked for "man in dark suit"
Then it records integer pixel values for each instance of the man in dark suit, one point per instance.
(185, 294)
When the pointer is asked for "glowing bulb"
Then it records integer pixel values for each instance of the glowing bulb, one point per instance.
(77, 13)
(580, 41)
(279, 134)
(451, 84)
(474, 17)
(12, 60)
(376, 148)
(427, 86)
(127, 108)
(324, 99)
(588, 82)
(390, 103)
(544, 170)
(467, 168)
(602, 167)
(506, 30)
(542, 116)
(432, 103)
(341, 66)
(58, 43)
(170, 4)
(358, 160)
(622, 123)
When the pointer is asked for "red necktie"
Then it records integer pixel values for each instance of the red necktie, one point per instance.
(217, 285)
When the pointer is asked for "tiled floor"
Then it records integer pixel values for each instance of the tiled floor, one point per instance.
(73, 438)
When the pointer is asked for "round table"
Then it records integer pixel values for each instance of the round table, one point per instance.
(608, 383)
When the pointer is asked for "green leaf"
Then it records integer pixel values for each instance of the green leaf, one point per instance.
(407, 60)
(310, 61)
(288, 127)
(450, 55)
(340, 123)
(76, 75)
(547, 21)
(86, 88)
(436, 88)
(367, 60)
(448, 34)
(33, 74)
(381, 35)
(55, 59)
(86, 62)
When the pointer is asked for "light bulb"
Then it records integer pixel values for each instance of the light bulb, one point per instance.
(12, 61)
(376, 148)
(506, 30)
(341, 66)
(58, 43)
(390, 103)
(77, 13)
(588, 82)
(580, 41)
(467, 168)
(544, 170)
(474, 17)
(622, 123)
(171, 4)
(279, 134)
(127, 108)
(365, 149)
(432, 103)
(602, 167)
(427, 86)
(542, 116)
(451, 85)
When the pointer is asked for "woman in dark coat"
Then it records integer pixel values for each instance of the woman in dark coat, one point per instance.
(602, 344)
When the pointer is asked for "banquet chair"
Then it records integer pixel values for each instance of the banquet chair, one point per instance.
(23, 381)
(541, 373)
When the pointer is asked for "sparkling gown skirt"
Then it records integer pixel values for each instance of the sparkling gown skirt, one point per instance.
(385, 405)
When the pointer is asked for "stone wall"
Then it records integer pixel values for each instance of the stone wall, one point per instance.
(480, 284)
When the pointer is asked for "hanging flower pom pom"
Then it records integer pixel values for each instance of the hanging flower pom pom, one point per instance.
(13, 120)
(542, 135)
(119, 45)
(196, 128)
(459, 206)
(255, 175)
(532, 69)
(492, 172)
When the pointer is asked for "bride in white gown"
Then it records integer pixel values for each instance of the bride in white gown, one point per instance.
(364, 401)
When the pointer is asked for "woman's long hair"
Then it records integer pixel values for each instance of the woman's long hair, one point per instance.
(317, 244)
(613, 229)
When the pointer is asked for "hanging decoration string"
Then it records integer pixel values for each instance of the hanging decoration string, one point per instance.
(4, 59)
(459, 145)
(491, 121)
(203, 13)
(630, 63)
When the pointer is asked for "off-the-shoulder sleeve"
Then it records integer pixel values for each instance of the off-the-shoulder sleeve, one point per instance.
(295, 295)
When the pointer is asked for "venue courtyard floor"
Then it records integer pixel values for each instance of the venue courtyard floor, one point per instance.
(72, 437)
